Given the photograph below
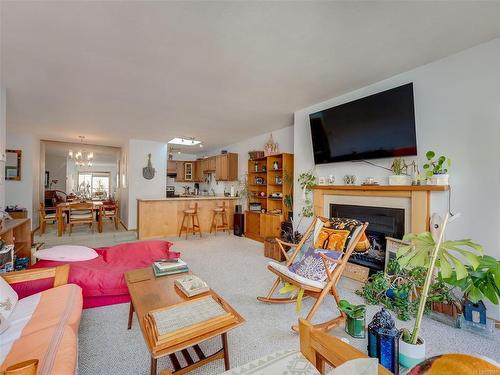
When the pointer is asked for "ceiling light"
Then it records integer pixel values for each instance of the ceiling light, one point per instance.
(70, 154)
(178, 152)
(184, 141)
(201, 144)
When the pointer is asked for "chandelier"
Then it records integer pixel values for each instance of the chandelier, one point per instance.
(82, 157)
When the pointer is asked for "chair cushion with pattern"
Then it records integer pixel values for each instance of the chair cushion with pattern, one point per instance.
(312, 267)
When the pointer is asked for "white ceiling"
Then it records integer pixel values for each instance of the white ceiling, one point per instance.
(217, 71)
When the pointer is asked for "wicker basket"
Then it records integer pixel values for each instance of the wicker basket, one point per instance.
(272, 249)
(255, 154)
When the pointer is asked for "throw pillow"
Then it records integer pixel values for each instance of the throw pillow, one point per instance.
(4, 324)
(8, 298)
(363, 244)
(312, 267)
(344, 224)
(67, 253)
(332, 239)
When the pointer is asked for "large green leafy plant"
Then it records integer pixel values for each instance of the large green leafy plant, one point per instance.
(424, 251)
(480, 283)
(398, 290)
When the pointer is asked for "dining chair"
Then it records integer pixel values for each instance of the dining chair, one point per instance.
(81, 213)
(111, 210)
(47, 215)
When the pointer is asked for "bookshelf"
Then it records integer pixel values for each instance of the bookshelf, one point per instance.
(270, 180)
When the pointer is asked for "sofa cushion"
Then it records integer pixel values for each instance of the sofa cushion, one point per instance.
(8, 298)
(67, 253)
(48, 311)
(281, 362)
(56, 349)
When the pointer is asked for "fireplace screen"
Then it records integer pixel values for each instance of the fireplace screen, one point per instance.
(383, 222)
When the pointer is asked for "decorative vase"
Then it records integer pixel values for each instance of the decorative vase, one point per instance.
(356, 327)
(440, 179)
(399, 179)
(411, 355)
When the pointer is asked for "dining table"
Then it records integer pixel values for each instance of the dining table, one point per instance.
(64, 207)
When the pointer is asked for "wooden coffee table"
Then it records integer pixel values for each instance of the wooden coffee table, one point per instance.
(148, 293)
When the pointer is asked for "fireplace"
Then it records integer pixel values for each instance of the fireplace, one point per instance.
(383, 221)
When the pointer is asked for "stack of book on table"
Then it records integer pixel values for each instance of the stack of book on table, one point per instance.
(169, 267)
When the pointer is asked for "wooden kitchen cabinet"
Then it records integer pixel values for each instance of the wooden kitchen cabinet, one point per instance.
(188, 171)
(226, 167)
(198, 171)
(171, 166)
(179, 167)
(211, 164)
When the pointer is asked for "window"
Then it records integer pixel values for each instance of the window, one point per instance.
(96, 182)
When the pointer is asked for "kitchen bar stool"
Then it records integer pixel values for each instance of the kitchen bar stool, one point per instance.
(220, 211)
(190, 214)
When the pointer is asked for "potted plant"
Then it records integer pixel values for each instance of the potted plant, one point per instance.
(437, 168)
(430, 251)
(442, 300)
(399, 170)
(481, 283)
(288, 196)
(356, 317)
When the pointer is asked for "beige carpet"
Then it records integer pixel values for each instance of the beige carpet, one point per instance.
(236, 268)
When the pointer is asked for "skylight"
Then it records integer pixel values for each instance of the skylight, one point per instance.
(184, 142)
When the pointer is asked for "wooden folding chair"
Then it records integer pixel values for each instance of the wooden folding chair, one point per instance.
(315, 289)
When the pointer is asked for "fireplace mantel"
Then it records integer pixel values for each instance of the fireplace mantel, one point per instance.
(383, 187)
(418, 198)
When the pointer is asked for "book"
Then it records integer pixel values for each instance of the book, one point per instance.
(159, 273)
(170, 266)
(191, 285)
(175, 324)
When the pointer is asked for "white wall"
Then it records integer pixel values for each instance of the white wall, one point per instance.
(284, 137)
(123, 190)
(3, 118)
(457, 104)
(56, 166)
(25, 193)
(138, 186)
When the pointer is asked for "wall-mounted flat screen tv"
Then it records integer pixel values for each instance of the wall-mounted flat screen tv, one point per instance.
(377, 126)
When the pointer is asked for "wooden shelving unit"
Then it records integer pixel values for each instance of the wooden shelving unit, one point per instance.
(18, 232)
(267, 176)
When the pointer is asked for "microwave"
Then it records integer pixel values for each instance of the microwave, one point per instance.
(255, 207)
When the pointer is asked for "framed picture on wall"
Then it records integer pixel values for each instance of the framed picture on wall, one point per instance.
(391, 249)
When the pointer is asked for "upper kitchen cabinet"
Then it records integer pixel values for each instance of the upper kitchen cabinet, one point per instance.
(226, 167)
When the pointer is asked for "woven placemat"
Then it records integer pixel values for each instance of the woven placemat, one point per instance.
(186, 315)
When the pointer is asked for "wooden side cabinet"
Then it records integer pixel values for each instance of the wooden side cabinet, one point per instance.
(226, 167)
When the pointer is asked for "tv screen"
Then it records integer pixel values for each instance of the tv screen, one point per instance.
(377, 126)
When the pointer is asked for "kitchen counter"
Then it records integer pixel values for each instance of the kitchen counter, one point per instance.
(188, 197)
(162, 217)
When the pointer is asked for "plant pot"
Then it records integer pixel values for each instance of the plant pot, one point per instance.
(440, 179)
(411, 355)
(447, 308)
(399, 179)
(355, 327)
